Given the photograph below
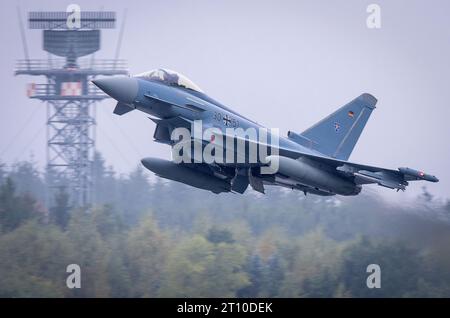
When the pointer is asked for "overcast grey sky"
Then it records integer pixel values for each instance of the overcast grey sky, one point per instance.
(285, 64)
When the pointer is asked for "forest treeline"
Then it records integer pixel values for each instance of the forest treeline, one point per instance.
(165, 239)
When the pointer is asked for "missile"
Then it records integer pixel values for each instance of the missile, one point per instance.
(181, 173)
(415, 174)
(309, 174)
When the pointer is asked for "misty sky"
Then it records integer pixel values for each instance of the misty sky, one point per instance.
(285, 64)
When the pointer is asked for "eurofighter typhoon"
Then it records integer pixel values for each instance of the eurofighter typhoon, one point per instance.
(214, 148)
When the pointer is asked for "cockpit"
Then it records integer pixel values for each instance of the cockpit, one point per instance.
(169, 77)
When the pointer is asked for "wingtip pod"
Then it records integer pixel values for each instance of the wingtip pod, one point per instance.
(368, 99)
(418, 175)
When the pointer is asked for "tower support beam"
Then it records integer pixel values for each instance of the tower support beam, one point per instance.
(70, 97)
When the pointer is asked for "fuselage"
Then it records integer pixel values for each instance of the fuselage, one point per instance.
(314, 161)
(216, 114)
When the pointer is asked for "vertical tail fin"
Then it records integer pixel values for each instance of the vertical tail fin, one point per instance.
(336, 135)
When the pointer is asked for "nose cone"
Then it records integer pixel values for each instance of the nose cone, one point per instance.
(122, 89)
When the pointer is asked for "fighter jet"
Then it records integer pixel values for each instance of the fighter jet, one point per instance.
(314, 161)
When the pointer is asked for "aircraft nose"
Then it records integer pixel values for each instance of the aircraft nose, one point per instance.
(122, 89)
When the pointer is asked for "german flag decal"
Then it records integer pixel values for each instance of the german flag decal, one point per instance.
(351, 114)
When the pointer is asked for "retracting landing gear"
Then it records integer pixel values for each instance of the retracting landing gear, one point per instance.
(243, 178)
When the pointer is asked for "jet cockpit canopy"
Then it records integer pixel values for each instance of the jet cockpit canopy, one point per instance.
(169, 77)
